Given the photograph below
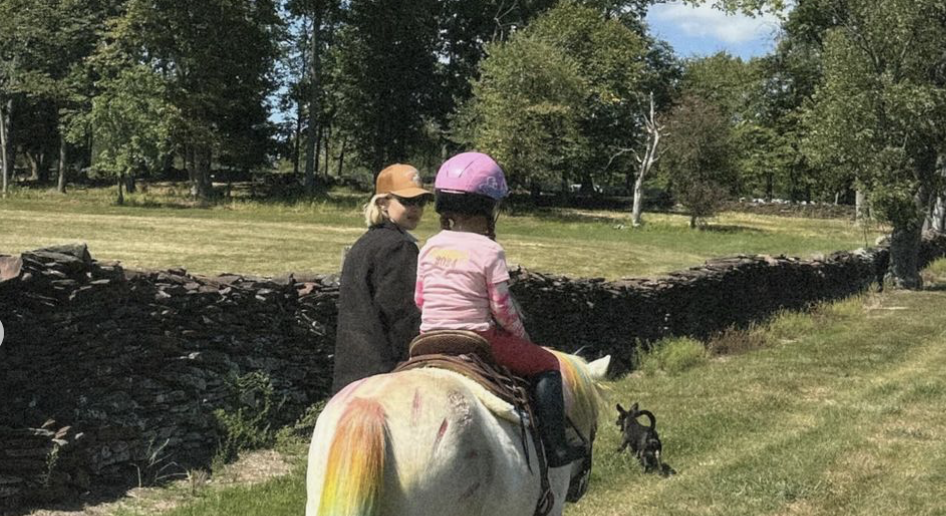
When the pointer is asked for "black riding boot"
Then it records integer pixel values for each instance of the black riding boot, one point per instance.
(550, 409)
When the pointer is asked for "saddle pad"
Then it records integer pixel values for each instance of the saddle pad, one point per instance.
(494, 378)
(498, 407)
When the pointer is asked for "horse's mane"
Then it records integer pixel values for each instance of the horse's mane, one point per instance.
(586, 396)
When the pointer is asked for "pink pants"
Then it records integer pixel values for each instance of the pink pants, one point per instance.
(522, 357)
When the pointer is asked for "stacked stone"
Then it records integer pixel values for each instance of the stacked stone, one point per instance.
(134, 364)
(613, 317)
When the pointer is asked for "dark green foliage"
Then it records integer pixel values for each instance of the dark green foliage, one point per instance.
(558, 100)
(698, 158)
(249, 423)
(386, 76)
(880, 111)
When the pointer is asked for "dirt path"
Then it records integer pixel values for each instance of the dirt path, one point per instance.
(251, 468)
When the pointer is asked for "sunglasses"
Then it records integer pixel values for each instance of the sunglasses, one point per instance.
(420, 201)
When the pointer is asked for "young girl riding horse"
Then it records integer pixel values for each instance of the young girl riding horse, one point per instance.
(463, 284)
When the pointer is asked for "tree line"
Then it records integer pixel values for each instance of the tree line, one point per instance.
(566, 94)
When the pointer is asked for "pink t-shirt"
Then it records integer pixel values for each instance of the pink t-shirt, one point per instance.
(454, 270)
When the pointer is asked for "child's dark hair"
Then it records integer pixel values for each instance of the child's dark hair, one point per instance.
(450, 204)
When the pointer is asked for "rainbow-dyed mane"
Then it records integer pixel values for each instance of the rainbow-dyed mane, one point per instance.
(431, 442)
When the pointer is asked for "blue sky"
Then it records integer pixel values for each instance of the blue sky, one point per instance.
(695, 31)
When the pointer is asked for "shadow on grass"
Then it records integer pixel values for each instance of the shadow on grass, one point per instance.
(170, 196)
(563, 217)
(730, 228)
(164, 205)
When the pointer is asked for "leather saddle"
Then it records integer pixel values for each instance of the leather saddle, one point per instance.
(469, 354)
(451, 342)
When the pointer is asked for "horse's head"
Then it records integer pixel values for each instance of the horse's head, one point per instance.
(583, 401)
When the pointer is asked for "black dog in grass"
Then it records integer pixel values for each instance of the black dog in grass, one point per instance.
(643, 440)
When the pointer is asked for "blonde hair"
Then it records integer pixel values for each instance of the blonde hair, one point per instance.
(374, 215)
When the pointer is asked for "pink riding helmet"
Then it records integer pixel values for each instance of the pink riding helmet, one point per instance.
(472, 172)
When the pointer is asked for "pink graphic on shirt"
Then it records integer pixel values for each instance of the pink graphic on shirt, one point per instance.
(504, 310)
(419, 294)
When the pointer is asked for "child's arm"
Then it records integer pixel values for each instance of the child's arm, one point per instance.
(504, 310)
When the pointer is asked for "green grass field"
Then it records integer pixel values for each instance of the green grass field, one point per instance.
(841, 411)
(160, 228)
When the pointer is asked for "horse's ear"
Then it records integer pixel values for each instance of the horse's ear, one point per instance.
(599, 368)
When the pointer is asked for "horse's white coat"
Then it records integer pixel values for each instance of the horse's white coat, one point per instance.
(477, 467)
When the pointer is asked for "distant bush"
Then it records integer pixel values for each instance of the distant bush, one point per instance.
(733, 341)
(673, 356)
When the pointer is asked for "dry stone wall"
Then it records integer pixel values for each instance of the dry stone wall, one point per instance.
(111, 376)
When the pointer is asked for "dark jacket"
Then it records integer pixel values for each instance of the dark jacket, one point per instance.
(377, 317)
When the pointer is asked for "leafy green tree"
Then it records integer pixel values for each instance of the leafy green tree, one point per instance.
(465, 28)
(738, 90)
(612, 61)
(28, 54)
(601, 67)
(386, 76)
(726, 81)
(131, 122)
(218, 58)
(312, 26)
(697, 157)
(43, 70)
(881, 111)
(526, 110)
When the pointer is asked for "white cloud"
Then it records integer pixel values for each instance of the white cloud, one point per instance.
(705, 21)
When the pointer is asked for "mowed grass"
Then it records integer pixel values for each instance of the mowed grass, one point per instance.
(842, 411)
(160, 228)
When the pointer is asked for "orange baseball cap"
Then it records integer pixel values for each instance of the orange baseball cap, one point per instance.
(400, 180)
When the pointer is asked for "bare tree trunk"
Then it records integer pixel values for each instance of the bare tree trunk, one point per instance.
(937, 217)
(121, 184)
(905, 239)
(35, 165)
(904, 256)
(638, 201)
(341, 157)
(131, 184)
(318, 150)
(861, 208)
(296, 145)
(62, 164)
(300, 110)
(203, 157)
(645, 162)
(190, 163)
(326, 137)
(199, 171)
(315, 71)
(6, 160)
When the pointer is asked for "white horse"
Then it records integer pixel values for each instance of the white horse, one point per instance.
(427, 442)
